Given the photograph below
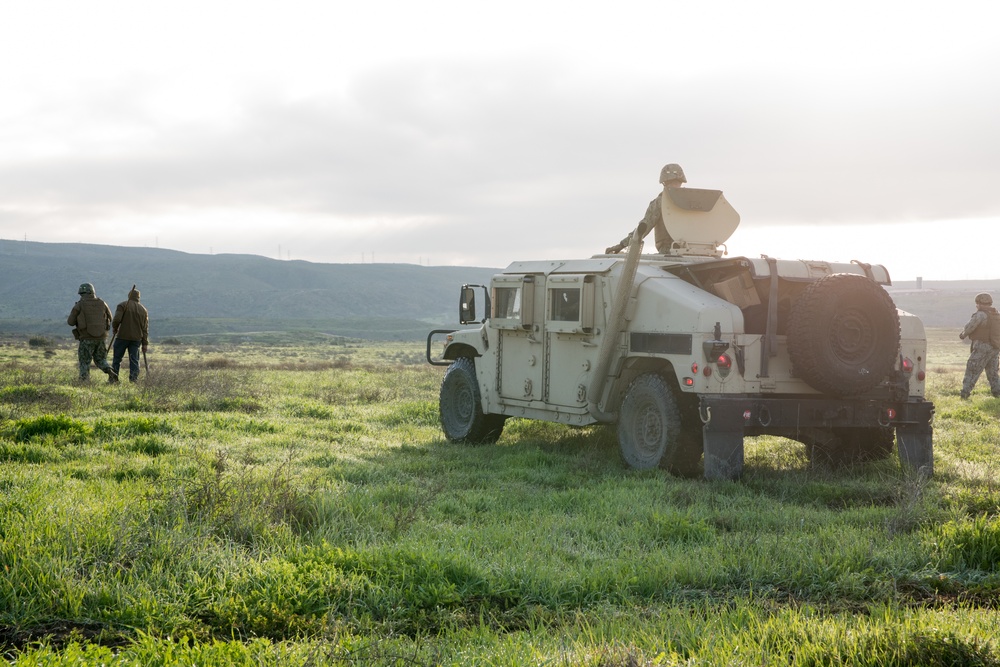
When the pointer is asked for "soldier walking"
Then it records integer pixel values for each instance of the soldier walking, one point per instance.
(131, 326)
(91, 320)
(983, 330)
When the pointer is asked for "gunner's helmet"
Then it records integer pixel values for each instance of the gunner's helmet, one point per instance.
(672, 172)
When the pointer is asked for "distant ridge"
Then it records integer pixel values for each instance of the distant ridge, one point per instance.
(942, 303)
(191, 294)
(39, 281)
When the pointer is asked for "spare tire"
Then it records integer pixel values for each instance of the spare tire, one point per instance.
(843, 334)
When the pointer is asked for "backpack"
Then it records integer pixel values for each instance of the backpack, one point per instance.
(993, 319)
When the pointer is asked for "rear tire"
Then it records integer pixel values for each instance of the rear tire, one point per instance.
(844, 447)
(867, 444)
(649, 428)
(461, 407)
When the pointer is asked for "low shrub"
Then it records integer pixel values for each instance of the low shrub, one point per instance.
(55, 426)
(969, 544)
(129, 427)
(22, 393)
(147, 445)
(242, 502)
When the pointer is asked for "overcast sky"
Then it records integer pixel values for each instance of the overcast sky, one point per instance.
(470, 133)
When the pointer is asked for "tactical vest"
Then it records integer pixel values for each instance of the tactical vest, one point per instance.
(93, 320)
(991, 332)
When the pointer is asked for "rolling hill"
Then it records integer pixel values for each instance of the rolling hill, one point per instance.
(190, 294)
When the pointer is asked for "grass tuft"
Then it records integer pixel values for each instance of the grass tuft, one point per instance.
(51, 427)
(969, 544)
(243, 502)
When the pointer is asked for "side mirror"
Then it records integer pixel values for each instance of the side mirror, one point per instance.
(467, 305)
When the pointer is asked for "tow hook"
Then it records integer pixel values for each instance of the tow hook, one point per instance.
(706, 415)
(764, 416)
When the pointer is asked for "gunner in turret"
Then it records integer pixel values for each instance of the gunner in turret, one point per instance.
(671, 176)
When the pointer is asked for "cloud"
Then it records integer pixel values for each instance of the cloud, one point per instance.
(434, 156)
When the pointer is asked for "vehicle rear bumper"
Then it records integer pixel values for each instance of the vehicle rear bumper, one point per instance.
(727, 419)
(759, 415)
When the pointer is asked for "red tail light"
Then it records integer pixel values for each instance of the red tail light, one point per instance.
(907, 366)
(725, 364)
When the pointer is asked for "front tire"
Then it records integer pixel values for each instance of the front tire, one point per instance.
(649, 426)
(461, 408)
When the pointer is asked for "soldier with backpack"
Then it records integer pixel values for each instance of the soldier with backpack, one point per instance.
(91, 320)
(983, 330)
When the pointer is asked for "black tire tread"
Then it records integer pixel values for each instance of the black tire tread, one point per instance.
(460, 407)
(843, 447)
(813, 326)
(679, 451)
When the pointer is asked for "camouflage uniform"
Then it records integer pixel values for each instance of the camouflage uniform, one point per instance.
(96, 350)
(91, 320)
(983, 356)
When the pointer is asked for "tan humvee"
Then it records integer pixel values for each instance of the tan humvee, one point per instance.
(689, 351)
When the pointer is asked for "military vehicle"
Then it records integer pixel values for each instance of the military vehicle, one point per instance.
(688, 351)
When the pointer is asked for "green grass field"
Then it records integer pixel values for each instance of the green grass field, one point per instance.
(296, 504)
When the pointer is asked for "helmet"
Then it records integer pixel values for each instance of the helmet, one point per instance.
(984, 299)
(86, 288)
(672, 172)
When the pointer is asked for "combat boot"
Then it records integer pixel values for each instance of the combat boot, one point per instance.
(112, 376)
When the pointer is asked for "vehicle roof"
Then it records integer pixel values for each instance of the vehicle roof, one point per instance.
(791, 269)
